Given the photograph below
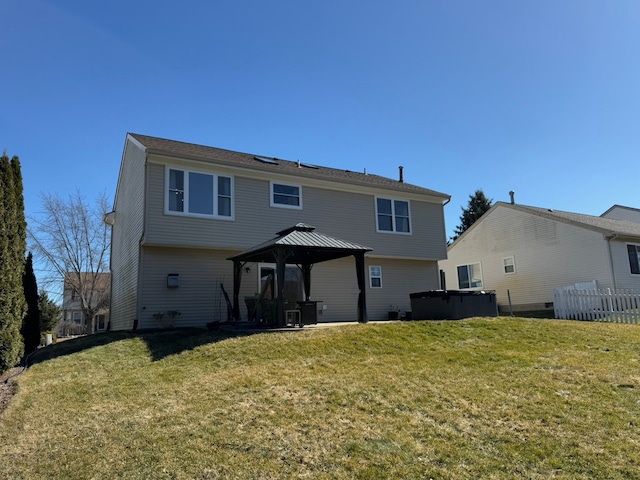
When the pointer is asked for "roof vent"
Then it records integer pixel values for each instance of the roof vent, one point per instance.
(401, 179)
(512, 195)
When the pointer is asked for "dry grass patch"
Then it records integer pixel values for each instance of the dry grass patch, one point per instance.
(481, 398)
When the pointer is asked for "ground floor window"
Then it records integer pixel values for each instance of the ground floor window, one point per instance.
(634, 258)
(469, 276)
(509, 265)
(100, 322)
(77, 317)
(375, 276)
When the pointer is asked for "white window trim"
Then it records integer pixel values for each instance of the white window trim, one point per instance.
(280, 205)
(513, 262)
(631, 274)
(481, 287)
(393, 215)
(371, 276)
(186, 212)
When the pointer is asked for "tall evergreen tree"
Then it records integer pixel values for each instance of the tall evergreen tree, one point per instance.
(12, 251)
(31, 323)
(49, 312)
(477, 206)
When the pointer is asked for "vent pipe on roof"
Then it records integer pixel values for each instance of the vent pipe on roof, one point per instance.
(512, 195)
(299, 163)
(401, 168)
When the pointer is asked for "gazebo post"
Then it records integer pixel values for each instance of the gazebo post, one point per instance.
(237, 280)
(306, 279)
(280, 269)
(362, 301)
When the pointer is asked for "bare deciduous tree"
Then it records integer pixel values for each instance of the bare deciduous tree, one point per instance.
(71, 237)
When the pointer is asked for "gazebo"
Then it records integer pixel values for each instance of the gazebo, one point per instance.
(299, 245)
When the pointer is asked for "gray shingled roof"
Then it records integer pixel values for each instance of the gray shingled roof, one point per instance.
(305, 245)
(227, 157)
(605, 225)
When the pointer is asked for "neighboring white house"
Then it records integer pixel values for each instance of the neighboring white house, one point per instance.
(620, 212)
(73, 320)
(182, 210)
(525, 252)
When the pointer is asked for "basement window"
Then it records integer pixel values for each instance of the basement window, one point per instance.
(375, 276)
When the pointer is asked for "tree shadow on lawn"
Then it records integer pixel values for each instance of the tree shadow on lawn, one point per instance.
(161, 344)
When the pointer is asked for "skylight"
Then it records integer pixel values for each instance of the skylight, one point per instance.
(308, 165)
(270, 161)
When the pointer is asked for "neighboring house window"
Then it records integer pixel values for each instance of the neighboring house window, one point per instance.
(393, 215)
(469, 276)
(100, 323)
(200, 194)
(509, 265)
(77, 317)
(286, 196)
(375, 277)
(634, 258)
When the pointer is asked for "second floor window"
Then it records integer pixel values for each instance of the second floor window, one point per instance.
(393, 215)
(200, 194)
(286, 195)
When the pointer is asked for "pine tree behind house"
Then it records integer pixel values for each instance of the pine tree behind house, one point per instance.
(477, 206)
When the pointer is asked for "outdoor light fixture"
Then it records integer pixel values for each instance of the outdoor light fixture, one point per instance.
(173, 280)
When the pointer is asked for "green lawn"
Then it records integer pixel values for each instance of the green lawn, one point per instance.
(480, 398)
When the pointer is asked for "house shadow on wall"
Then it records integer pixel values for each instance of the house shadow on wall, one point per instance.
(161, 344)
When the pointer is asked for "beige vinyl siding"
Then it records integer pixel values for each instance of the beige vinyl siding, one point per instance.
(199, 298)
(126, 235)
(621, 267)
(347, 215)
(399, 279)
(547, 253)
(335, 286)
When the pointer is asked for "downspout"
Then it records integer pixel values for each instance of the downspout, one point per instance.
(613, 236)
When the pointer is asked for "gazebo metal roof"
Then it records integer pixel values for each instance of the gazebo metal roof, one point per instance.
(304, 246)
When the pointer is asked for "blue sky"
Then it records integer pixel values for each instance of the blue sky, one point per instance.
(539, 97)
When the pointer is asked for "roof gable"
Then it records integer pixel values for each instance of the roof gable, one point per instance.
(160, 146)
(606, 226)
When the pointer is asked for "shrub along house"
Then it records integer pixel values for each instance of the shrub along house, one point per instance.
(187, 218)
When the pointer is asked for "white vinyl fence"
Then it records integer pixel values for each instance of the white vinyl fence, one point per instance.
(598, 304)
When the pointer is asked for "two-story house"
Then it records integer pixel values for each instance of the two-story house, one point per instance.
(182, 211)
(94, 287)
